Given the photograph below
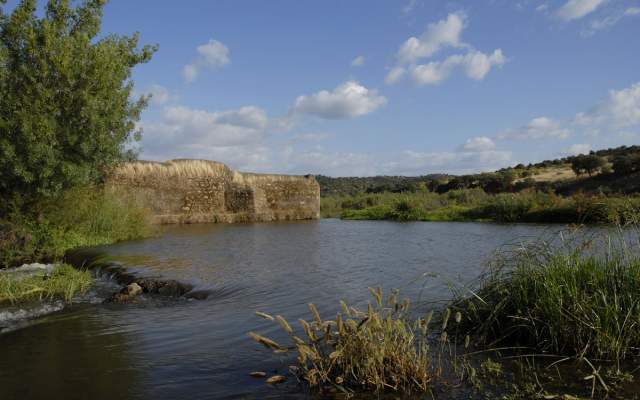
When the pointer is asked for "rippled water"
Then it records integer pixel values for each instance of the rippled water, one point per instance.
(200, 349)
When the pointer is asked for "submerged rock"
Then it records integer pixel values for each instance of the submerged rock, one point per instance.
(127, 295)
(133, 289)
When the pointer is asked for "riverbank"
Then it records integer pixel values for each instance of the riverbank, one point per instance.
(42, 282)
(477, 205)
(88, 216)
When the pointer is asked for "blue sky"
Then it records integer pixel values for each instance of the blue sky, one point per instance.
(384, 87)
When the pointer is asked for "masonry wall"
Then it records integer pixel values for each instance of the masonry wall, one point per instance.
(191, 191)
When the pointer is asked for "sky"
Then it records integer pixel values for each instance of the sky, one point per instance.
(384, 87)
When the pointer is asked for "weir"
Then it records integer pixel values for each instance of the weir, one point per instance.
(193, 191)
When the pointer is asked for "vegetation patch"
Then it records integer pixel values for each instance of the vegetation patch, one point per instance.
(379, 349)
(64, 282)
(561, 301)
(76, 218)
(477, 205)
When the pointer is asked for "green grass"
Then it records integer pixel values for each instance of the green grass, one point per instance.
(561, 301)
(64, 282)
(77, 218)
(476, 205)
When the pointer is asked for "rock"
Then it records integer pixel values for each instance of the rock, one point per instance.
(122, 298)
(133, 289)
(258, 374)
(274, 380)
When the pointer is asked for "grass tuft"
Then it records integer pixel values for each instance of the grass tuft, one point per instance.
(64, 282)
(374, 350)
(567, 300)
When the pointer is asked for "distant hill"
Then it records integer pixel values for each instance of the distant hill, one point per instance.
(555, 175)
(375, 184)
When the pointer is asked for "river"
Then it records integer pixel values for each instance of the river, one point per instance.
(173, 349)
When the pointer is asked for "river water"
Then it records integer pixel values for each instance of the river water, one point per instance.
(174, 349)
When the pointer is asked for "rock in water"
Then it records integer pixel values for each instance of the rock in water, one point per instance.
(133, 289)
(276, 379)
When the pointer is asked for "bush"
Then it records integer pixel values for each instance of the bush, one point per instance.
(75, 218)
(377, 350)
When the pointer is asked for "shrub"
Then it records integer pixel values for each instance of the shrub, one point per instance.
(75, 218)
(378, 349)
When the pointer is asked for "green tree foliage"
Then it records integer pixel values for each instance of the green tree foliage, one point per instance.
(66, 109)
(626, 164)
(588, 163)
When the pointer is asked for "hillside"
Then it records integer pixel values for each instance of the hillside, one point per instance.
(618, 172)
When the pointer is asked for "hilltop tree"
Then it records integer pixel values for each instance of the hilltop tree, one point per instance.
(66, 111)
(626, 164)
(588, 163)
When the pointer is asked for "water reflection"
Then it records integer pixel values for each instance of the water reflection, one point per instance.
(71, 355)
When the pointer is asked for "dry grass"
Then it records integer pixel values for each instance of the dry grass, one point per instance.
(555, 174)
(173, 168)
(192, 168)
(374, 350)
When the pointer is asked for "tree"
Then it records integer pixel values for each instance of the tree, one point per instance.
(66, 113)
(587, 164)
(626, 164)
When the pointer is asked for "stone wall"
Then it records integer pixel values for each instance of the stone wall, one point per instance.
(190, 191)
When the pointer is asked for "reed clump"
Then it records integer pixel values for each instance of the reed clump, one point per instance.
(377, 349)
(64, 282)
(575, 301)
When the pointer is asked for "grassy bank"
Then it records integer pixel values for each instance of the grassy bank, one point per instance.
(64, 282)
(561, 301)
(78, 217)
(476, 205)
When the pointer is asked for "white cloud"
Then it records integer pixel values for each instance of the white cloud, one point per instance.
(348, 100)
(578, 148)
(542, 7)
(478, 143)
(440, 34)
(311, 137)
(330, 163)
(159, 94)
(187, 132)
(576, 9)
(620, 110)
(538, 128)
(624, 106)
(611, 20)
(358, 61)
(211, 55)
(395, 75)
(410, 6)
(419, 163)
(475, 64)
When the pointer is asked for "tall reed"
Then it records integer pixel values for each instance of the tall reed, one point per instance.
(377, 349)
(577, 301)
